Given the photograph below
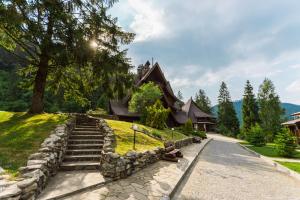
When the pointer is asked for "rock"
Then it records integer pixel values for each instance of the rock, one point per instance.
(37, 156)
(36, 162)
(37, 174)
(24, 170)
(25, 183)
(30, 188)
(11, 192)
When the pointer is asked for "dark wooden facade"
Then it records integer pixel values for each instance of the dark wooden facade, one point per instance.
(294, 125)
(178, 115)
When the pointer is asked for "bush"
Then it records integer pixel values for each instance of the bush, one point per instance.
(256, 136)
(188, 127)
(157, 115)
(200, 134)
(156, 134)
(285, 143)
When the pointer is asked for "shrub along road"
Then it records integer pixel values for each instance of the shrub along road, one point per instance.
(226, 171)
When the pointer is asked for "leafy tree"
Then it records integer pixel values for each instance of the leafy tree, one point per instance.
(144, 97)
(203, 101)
(249, 108)
(157, 115)
(227, 120)
(256, 136)
(285, 143)
(59, 39)
(270, 111)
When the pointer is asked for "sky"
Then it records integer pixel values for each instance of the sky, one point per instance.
(200, 43)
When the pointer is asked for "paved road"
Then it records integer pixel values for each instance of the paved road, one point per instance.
(226, 171)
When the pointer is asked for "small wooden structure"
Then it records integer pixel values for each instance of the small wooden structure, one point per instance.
(294, 125)
(172, 154)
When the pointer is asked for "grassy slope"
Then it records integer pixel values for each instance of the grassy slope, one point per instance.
(291, 165)
(21, 134)
(124, 136)
(268, 150)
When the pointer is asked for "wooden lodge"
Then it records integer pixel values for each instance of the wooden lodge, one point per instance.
(178, 116)
(294, 125)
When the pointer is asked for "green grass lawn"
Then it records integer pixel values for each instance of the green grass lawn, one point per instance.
(124, 135)
(21, 135)
(268, 150)
(291, 165)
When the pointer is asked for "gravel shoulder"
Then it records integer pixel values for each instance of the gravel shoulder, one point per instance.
(224, 170)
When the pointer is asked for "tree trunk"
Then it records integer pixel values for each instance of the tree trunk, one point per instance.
(37, 103)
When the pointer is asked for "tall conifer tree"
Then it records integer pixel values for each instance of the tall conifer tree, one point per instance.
(63, 37)
(270, 110)
(203, 101)
(227, 120)
(249, 108)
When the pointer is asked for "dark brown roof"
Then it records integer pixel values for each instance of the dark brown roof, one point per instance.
(167, 83)
(291, 122)
(296, 114)
(120, 109)
(180, 117)
(193, 112)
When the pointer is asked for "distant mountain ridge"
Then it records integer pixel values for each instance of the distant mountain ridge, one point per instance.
(288, 107)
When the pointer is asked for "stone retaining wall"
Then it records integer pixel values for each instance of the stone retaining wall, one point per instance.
(109, 136)
(40, 166)
(116, 166)
(184, 142)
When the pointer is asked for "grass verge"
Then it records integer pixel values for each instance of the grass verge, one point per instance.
(21, 135)
(268, 150)
(291, 165)
(124, 135)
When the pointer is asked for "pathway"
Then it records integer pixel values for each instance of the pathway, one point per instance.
(154, 182)
(224, 170)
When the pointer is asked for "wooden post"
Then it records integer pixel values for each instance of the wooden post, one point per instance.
(134, 133)
(135, 128)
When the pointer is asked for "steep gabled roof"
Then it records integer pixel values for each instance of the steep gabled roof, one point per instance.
(120, 109)
(193, 111)
(160, 72)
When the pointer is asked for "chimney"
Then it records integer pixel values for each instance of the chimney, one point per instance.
(143, 69)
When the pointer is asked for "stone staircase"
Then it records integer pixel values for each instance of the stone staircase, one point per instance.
(84, 146)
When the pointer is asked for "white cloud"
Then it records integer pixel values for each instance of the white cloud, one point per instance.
(294, 87)
(202, 42)
(148, 20)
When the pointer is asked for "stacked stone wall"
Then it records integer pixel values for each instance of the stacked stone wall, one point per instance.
(115, 166)
(40, 166)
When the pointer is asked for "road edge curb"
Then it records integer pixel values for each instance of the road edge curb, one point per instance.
(275, 164)
(171, 195)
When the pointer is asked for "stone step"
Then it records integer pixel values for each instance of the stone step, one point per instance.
(91, 137)
(86, 129)
(85, 141)
(76, 158)
(70, 166)
(85, 146)
(82, 126)
(83, 151)
(86, 123)
(82, 132)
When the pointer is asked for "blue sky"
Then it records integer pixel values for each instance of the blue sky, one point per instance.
(199, 43)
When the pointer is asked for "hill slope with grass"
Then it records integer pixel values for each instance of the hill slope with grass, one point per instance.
(21, 134)
(124, 136)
